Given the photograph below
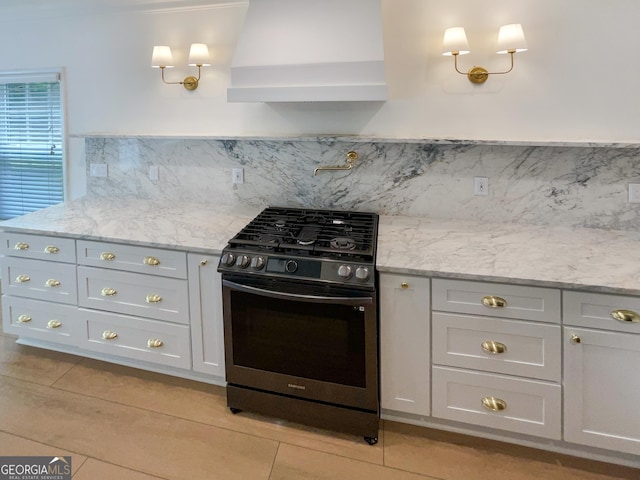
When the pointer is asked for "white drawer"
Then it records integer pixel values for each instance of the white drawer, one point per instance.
(597, 310)
(531, 407)
(39, 247)
(530, 349)
(41, 320)
(132, 293)
(167, 263)
(520, 302)
(40, 280)
(137, 338)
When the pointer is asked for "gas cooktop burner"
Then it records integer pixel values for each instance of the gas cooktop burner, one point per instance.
(343, 243)
(296, 233)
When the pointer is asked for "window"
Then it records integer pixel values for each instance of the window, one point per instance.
(31, 154)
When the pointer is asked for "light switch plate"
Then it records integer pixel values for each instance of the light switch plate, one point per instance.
(237, 176)
(98, 170)
(634, 193)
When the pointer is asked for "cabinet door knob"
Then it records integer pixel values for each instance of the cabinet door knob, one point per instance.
(154, 343)
(153, 298)
(54, 324)
(494, 347)
(52, 282)
(404, 285)
(203, 263)
(21, 246)
(107, 256)
(108, 292)
(24, 318)
(23, 279)
(494, 404)
(491, 301)
(109, 335)
(627, 316)
(51, 249)
(575, 339)
(151, 261)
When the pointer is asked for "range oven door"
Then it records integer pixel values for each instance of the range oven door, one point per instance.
(310, 341)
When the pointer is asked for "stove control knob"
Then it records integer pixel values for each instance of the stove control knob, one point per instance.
(257, 263)
(228, 259)
(362, 274)
(345, 271)
(243, 261)
(291, 266)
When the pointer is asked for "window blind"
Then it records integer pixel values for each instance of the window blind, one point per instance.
(31, 154)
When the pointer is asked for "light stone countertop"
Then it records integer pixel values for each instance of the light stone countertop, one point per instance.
(559, 257)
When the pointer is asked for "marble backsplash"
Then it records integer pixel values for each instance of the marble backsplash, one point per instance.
(549, 185)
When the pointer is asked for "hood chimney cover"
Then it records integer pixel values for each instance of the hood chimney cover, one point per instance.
(309, 51)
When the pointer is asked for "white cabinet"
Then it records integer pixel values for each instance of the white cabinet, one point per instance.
(141, 316)
(404, 343)
(205, 299)
(39, 288)
(601, 363)
(497, 356)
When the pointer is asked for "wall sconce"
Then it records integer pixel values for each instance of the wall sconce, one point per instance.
(510, 40)
(198, 57)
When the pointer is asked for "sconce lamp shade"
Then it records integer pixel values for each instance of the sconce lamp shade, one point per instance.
(199, 55)
(455, 42)
(511, 39)
(161, 57)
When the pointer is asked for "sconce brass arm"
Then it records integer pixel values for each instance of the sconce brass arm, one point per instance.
(190, 82)
(351, 158)
(480, 74)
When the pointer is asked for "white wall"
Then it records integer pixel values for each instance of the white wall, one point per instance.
(576, 83)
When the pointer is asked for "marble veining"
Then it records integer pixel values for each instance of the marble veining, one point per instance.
(559, 256)
(541, 185)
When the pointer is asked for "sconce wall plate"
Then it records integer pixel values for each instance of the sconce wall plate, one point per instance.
(510, 40)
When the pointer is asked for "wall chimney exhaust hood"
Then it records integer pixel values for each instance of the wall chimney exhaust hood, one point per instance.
(309, 51)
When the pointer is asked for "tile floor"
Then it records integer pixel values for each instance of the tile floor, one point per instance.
(123, 423)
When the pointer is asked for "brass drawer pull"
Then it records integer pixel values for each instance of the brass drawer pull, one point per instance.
(24, 318)
(575, 339)
(54, 324)
(153, 298)
(107, 256)
(21, 246)
(23, 279)
(151, 261)
(404, 285)
(52, 282)
(51, 249)
(494, 348)
(109, 335)
(494, 404)
(108, 292)
(154, 343)
(494, 302)
(627, 316)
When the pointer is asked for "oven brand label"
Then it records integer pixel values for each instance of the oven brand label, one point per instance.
(297, 387)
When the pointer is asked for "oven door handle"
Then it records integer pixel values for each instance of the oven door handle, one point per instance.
(296, 296)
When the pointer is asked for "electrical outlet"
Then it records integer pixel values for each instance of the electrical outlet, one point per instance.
(98, 170)
(237, 176)
(154, 173)
(634, 193)
(481, 186)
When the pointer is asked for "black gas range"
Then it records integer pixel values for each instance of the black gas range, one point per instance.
(300, 318)
(337, 247)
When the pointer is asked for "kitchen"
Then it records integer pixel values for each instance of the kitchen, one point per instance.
(564, 159)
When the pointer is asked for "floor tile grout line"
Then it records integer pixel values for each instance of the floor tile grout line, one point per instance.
(124, 467)
(44, 444)
(275, 459)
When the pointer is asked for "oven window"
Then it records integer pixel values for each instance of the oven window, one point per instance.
(323, 342)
